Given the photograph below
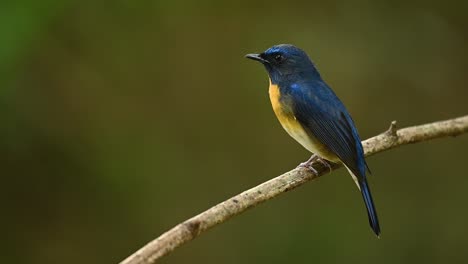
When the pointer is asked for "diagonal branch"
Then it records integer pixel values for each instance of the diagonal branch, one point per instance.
(193, 227)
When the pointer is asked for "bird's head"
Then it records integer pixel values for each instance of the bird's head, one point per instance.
(281, 61)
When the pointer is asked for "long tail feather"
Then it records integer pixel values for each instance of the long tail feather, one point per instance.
(371, 212)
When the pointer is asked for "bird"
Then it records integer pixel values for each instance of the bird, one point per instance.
(314, 116)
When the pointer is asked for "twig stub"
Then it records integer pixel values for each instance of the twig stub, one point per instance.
(392, 130)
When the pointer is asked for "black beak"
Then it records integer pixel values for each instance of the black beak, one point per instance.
(257, 57)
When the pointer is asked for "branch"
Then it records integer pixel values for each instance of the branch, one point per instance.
(193, 227)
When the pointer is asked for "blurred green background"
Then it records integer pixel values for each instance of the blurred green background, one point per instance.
(121, 119)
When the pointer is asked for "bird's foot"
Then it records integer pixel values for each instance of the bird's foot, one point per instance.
(315, 158)
(324, 163)
(309, 167)
(308, 164)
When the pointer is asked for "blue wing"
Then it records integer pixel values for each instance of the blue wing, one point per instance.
(324, 116)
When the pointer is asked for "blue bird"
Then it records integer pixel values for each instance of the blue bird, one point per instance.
(314, 116)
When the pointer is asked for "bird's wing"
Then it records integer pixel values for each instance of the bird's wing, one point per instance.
(324, 116)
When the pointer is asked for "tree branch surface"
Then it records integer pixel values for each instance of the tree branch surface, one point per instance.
(193, 227)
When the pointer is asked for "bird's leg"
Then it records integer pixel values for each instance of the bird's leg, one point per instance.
(314, 158)
(308, 164)
(311, 160)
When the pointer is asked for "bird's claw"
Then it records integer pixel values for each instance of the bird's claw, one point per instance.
(315, 158)
(324, 163)
(308, 166)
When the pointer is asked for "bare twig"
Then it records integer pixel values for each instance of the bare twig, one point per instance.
(221, 212)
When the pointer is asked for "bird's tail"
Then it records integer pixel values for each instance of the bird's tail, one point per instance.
(371, 212)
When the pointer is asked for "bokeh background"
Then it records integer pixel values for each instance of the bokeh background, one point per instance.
(121, 119)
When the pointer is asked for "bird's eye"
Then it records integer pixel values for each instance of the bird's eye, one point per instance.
(279, 58)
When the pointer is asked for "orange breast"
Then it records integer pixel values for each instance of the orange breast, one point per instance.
(289, 122)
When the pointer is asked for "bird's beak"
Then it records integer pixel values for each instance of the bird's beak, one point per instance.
(256, 57)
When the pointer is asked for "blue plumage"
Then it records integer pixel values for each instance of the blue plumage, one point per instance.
(312, 114)
(371, 212)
